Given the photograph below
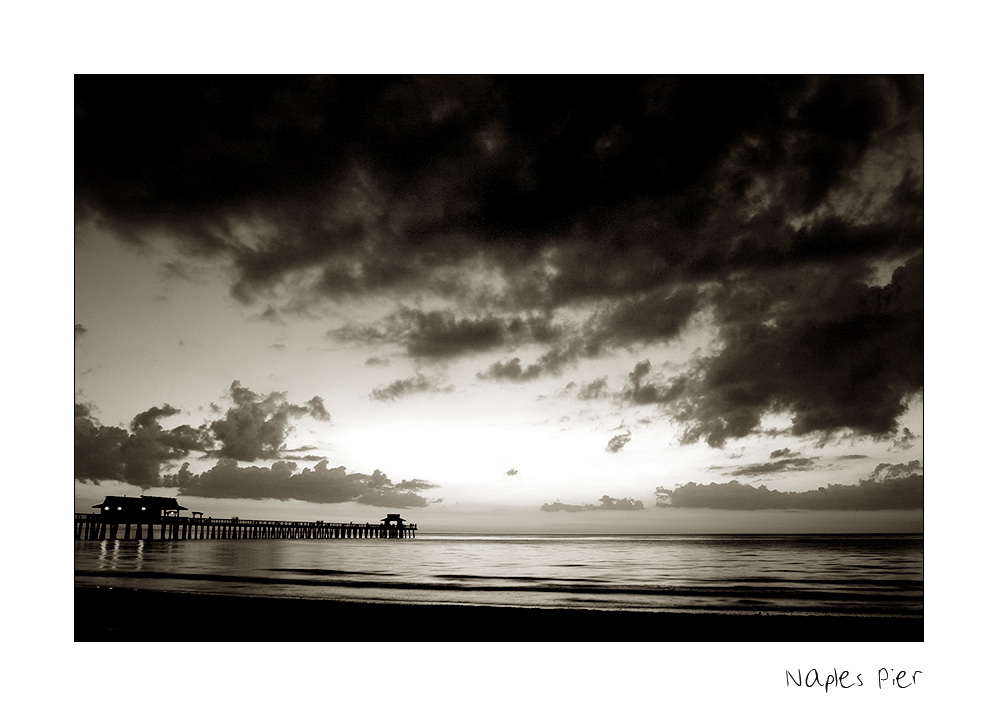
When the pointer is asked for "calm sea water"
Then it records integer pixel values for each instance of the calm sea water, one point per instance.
(880, 575)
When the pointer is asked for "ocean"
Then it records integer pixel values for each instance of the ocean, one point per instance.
(823, 575)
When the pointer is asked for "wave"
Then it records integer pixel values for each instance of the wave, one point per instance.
(889, 593)
(815, 575)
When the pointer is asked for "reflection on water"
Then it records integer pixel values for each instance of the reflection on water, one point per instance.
(825, 574)
(118, 555)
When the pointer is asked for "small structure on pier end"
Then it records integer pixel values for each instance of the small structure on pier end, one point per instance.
(145, 509)
(393, 526)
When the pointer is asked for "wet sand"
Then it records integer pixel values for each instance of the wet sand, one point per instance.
(133, 615)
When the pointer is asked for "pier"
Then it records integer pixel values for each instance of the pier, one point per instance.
(158, 518)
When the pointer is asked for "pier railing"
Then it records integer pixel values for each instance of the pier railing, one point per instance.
(175, 528)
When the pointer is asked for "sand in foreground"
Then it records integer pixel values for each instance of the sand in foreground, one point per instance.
(134, 615)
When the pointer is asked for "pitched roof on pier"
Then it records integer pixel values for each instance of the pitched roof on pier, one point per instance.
(155, 504)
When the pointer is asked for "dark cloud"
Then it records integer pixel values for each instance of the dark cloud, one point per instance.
(439, 333)
(151, 417)
(607, 504)
(617, 443)
(551, 363)
(135, 456)
(904, 441)
(647, 317)
(78, 331)
(512, 472)
(760, 204)
(836, 354)
(800, 463)
(418, 384)
(376, 180)
(511, 370)
(596, 389)
(644, 389)
(442, 334)
(317, 410)
(256, 427)
(319, 485)
(899, 486)
(782, 461)
(97, 448)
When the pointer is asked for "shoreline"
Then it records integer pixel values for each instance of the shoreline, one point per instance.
(115, 615)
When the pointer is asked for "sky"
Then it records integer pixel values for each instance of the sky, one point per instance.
(560, 303)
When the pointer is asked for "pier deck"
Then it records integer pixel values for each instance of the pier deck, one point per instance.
(174, 528)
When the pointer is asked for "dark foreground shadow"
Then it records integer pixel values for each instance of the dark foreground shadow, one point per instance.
(132, 615)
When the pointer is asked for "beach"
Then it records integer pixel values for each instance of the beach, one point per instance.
(118, 614)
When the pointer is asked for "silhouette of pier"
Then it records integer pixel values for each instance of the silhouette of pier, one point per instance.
(155, 517)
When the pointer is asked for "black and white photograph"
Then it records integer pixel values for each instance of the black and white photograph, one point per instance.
(539, 357)
(531, 359)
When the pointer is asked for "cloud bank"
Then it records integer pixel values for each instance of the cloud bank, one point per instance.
(565, 216)
(782, 460)
(254, 428)
(898, 486)
(319, 485)
(607, 504)
(400, 388)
